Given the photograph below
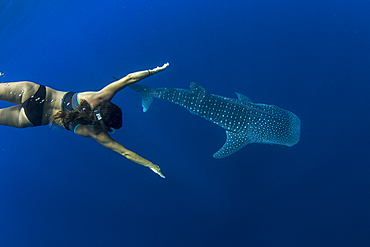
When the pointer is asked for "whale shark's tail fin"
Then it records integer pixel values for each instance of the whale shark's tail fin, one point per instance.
(145, 93)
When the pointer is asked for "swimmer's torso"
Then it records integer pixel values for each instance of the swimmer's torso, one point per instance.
(53, 102)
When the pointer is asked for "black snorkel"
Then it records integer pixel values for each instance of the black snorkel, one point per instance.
(100, 119)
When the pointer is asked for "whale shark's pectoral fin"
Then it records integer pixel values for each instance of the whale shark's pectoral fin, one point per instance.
(234, 142)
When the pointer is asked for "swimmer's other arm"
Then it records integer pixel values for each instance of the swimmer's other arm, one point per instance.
(108, 92)
(104, 139)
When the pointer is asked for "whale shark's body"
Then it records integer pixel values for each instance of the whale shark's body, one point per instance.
(244, 121)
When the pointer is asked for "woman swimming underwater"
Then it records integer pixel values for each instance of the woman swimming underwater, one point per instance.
(88, 114)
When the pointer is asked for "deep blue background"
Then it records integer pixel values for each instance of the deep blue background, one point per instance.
(310, 57)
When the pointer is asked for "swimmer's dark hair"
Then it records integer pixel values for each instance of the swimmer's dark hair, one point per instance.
(111, 115)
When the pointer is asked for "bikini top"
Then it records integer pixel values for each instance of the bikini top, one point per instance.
(69, 103)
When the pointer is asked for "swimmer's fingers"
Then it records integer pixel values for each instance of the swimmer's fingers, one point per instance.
(165, 66)
(158, 69)
(157, 170)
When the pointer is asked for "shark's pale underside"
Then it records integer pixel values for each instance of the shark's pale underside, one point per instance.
(244, 121)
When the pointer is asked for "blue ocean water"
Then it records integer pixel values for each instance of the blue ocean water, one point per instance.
(309, 57)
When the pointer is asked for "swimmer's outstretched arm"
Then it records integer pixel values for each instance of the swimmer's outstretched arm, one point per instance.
(108, 92)
(104, 139)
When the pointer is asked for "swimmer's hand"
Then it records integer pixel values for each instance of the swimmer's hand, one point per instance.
(157, 170)
(158, 69)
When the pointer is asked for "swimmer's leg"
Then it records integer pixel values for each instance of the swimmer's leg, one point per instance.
(14, 116)
(17, 92)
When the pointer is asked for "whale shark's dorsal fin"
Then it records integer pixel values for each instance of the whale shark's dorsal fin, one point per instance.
(196, 87)
(244, 98)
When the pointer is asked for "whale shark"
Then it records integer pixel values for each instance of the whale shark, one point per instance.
(245, 122)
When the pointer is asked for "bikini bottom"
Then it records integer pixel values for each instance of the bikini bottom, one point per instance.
(34, 106)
